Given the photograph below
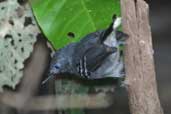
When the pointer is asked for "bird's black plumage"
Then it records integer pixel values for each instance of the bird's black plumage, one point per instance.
(90, 57)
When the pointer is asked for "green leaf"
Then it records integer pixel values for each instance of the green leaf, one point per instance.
(57, 18)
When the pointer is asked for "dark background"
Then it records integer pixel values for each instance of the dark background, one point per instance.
(160, 17)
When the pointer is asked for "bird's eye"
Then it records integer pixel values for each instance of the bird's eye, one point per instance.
(56, 66)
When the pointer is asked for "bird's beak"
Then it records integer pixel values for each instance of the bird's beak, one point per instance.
(47, 79)
(52, 73)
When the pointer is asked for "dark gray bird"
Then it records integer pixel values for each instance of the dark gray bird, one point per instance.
(96, 56)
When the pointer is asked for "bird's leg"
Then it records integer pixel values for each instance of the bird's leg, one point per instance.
(111, 49)
(121, 37)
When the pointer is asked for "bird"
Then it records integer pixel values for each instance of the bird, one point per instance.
(95, 56)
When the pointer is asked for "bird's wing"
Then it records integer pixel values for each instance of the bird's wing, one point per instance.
(93, 58)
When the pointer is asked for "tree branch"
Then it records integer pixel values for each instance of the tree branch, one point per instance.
(59, 102)
(142, 88)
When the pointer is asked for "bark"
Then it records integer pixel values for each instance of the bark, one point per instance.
(139, 63)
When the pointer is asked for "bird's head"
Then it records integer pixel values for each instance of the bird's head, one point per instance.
(59, 63)
(55, 69)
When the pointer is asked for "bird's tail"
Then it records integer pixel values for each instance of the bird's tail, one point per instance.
(116, 23)
(113, 26)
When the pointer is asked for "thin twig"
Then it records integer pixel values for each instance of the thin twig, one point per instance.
(100, 100)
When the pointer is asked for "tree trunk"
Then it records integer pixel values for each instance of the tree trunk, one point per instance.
(140, 79)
